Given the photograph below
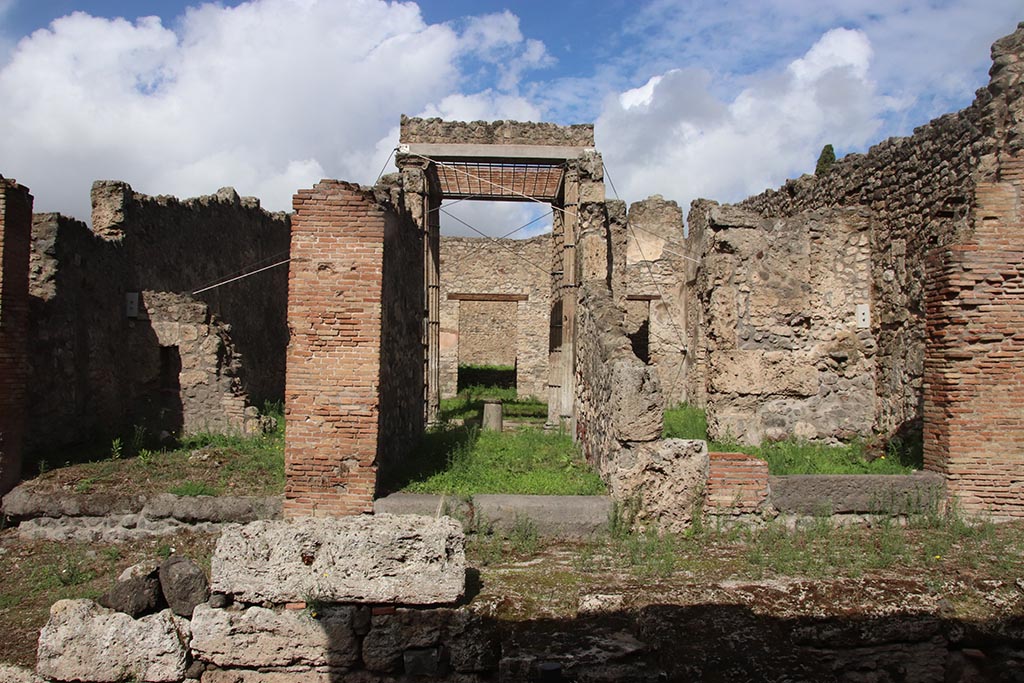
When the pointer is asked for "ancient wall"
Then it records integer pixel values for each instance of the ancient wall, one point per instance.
(353, 314)
(439, 131)
(974, 363)
(654, 289)
(920, 191)
(15, 230)
(785, 352)
(495, 301)
(121, 342)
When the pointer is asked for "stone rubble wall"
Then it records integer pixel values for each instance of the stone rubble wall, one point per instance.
(921, 194)
(182, 361)
(783, 352)
(493, 331)
(438, 131)
(15, 238)
(655, 258)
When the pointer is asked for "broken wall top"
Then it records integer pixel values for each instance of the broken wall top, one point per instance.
(438, 131)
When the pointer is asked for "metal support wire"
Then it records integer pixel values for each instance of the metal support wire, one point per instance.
(506, 248)
(240, 277)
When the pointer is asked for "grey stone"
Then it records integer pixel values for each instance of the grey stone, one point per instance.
(85, 642)
(195, 670)
(425, 661)
(404, 559)
(552, 516)
(392, 634)
(219, 600)
(136, 592)
(193, 509)
(857, 493)
(23, 502)
(184, 585)
(260, 637)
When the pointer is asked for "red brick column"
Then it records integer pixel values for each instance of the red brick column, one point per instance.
(332, 394)
(974, 356)
(15, 243)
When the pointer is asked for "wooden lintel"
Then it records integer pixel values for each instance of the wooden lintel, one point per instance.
(486, 297)
(643, 297)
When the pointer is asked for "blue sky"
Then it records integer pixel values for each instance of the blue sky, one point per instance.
(690, 99)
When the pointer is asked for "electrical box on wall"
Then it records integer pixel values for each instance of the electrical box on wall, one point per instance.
(863, 315)
(131, 304)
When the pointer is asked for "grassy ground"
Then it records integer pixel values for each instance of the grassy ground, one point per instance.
(464, 460)
(203, 464)
(797, 457)
(469, 404)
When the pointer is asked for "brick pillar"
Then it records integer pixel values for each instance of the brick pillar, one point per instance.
(974, 356)
(15, 242)
(332, 394)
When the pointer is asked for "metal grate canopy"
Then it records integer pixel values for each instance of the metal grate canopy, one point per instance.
(493, 180)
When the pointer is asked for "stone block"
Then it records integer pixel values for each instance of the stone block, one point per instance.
(15, 674)
(665, 480)
(194, 509)
(184, 585)
(136, 592)
(857, 493)
(83, 641)
(406, 559)
(260, 637)
(639, 403)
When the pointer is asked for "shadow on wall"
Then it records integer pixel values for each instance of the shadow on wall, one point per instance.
(663, 642)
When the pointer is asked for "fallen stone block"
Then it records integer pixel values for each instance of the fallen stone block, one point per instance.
(260, 637)
(405, 559)
(137, 591)
(184, 585)
(83, 641)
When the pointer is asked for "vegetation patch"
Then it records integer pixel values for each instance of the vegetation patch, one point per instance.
(502, 376)
(459, 460)
(468, 404)
(793, 456)
(201, 464)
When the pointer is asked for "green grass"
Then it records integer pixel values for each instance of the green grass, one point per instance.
(465, 461)
(469, 404)
(798, 457)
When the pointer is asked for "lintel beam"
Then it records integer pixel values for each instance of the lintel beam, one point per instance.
(539, 154)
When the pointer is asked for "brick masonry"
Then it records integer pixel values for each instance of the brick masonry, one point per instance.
(343, 405)
(737, 484)
(15, 237)
(974, 364)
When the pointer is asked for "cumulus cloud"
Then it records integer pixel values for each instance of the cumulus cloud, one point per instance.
(268, 96)
(674, 136)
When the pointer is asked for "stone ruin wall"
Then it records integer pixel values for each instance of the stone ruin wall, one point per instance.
(509, 329)
(654, 291)
(179, 362)
(920, 194)
(783, 351)
(15, 237)
(439, 131)
(353, 400)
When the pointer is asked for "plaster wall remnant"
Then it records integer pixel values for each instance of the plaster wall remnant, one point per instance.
(784, 353)
(15, 237)
(119, 340)
(495, 301)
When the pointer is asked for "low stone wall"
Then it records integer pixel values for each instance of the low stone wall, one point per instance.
(89, 518)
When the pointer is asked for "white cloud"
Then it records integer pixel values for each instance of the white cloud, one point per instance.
(673, 136)
(267, 96)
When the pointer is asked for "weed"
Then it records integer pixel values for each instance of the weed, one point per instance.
(193, 488)
(164, 551)
(523, 536)
(73, 572)
(85, 485)
(138, 440)
(116, 449)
